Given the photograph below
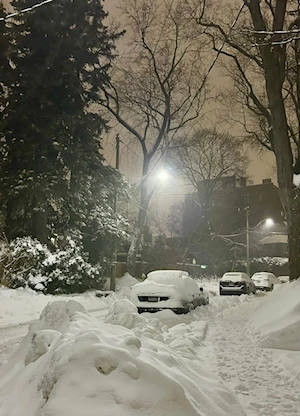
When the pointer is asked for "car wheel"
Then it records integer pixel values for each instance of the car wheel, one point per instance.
(220, 291)
(271, 288)
(186, 306)
(207, 301)
(190, 308)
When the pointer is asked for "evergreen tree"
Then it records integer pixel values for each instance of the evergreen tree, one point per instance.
(53, 178)
(4, 91)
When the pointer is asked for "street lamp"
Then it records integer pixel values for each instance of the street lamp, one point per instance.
(269, 222)
(163, 175)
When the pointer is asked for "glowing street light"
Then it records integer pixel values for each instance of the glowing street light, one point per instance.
(163, 175)
(269, 222)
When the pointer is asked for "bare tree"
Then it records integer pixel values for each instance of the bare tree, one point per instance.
(264, 53)
(174, 220)
(157, 88)
(206, 158)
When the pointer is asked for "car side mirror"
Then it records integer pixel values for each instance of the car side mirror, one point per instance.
(201, 289)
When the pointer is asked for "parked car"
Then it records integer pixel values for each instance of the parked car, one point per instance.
(265, 281)
(236, 283)
(168, 289)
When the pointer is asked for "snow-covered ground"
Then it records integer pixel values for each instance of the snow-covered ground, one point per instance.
(237, 356)
(259, 376)
(19, 306)
(71, 363)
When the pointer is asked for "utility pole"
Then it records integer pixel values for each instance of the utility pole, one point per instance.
(117, 167)
(114, 258)
(248, 241)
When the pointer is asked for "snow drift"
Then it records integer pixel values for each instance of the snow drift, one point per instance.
(70, 364)
(19, 306)
(276, 323)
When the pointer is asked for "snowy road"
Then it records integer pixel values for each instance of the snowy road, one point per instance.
(263, 386)
(11, 336)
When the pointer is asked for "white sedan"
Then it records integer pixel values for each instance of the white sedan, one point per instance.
(168, 289)
(265, 281)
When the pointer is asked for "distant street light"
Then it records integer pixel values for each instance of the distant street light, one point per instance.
(269, 222)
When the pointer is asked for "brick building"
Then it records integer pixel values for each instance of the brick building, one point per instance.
(225, 205)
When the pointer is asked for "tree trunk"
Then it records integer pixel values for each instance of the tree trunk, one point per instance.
(39, 223)
(274, 69)
(294, 234)
(289, 195)
(284, 160)
(142, 217)
(274, 64)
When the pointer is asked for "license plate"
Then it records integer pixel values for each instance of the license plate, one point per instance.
(152, 299)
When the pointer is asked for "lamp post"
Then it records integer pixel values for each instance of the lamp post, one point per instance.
(268, 223)
(248, 241)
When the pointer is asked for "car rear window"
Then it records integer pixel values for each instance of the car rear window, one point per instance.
(261, 276)
(233, 277)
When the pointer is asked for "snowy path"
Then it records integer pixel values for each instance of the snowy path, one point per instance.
(264, 387)
(11, 336)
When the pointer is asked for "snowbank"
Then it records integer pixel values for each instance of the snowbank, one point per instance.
(211, 285)
(276, 323)
(78, 366)
(124, 285)
(126, 281)
(19, 306)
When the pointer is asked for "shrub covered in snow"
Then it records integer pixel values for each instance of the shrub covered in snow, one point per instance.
(276, 265)
(28, 263)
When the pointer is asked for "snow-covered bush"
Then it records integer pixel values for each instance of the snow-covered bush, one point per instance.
(28, 263)
(276, 265)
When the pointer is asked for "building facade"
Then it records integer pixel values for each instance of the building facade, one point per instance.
(223, 208)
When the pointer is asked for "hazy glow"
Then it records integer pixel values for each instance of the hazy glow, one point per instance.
(163, 175)
(269, 222)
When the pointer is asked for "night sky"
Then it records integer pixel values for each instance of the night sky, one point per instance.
(261, 165)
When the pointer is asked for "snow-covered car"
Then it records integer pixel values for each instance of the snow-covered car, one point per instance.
(168, 289)
(236, 283)
(265, 281)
